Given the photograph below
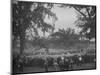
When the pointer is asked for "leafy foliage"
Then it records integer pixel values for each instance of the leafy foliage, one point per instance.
(26, 15)
(67, 35)
(86, 19)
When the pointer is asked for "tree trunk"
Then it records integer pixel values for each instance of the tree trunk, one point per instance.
(22, 39)
(21, 44)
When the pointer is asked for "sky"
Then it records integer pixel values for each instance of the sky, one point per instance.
(66, 18)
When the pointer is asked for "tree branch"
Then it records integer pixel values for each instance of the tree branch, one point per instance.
(80, 12)
(87, 10)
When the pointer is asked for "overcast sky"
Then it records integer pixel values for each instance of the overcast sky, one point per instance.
(66, 18)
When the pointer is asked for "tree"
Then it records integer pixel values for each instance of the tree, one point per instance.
(86, 19)
(66, 36)
(20, 21)
(26, 15)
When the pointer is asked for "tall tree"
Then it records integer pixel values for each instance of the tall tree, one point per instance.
(24, 14)
(86, 19)
(20, 21)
